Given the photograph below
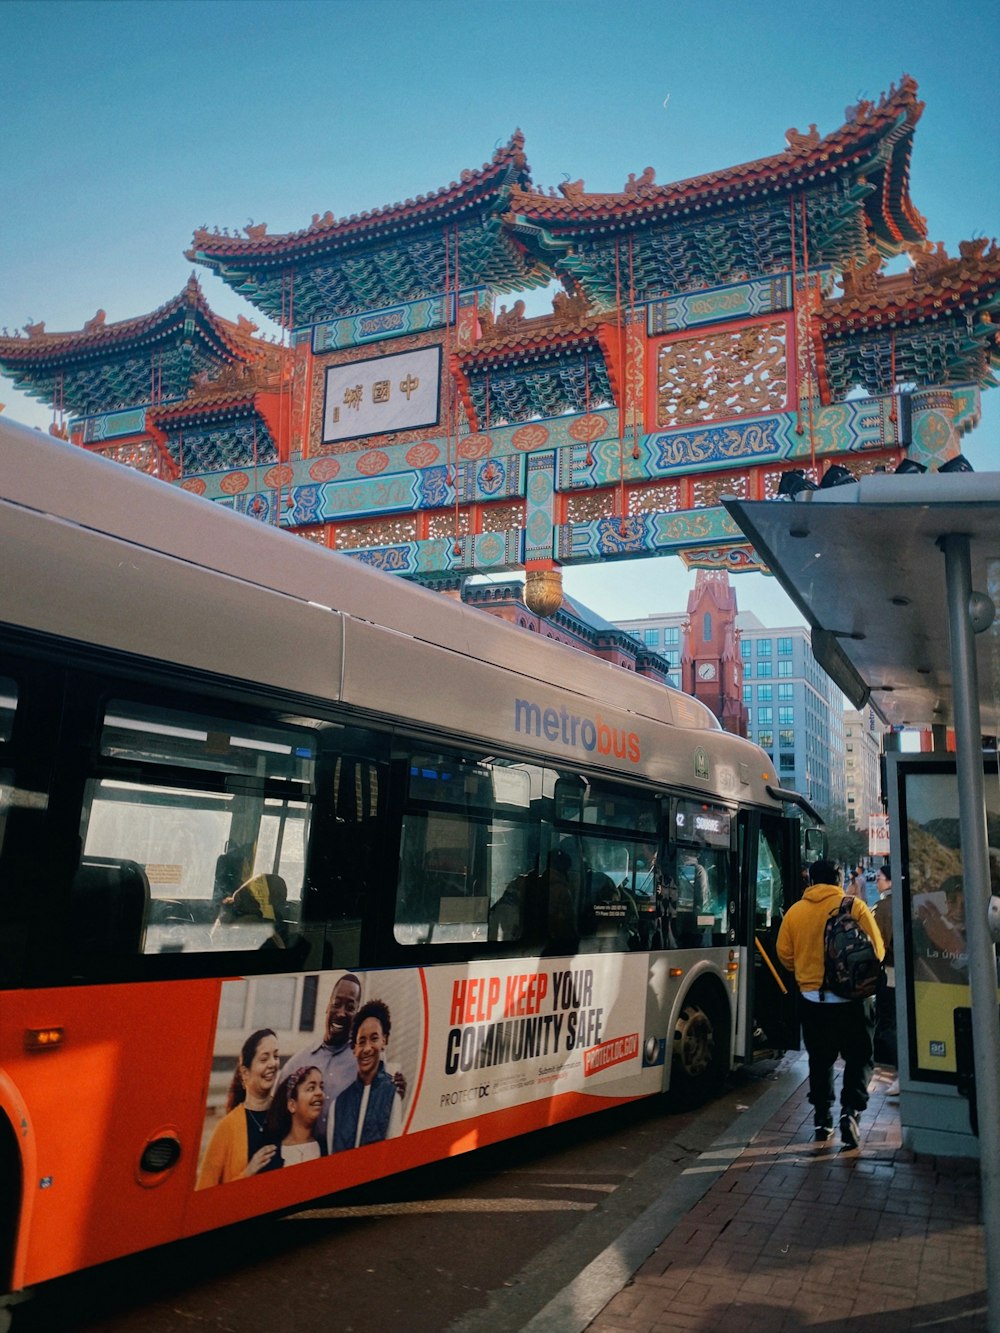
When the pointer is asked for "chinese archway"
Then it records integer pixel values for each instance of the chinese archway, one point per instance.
(706, 337)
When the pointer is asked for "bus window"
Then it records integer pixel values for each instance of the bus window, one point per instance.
(469, 850)
(193, 835)
(769, 889)
(700, 873)
(612, 863)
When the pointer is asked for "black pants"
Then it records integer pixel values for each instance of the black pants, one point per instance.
(832, 1030)
(885, 1027)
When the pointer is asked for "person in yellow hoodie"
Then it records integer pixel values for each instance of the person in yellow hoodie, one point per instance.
(831, 1026)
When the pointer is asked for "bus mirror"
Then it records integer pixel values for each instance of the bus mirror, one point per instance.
(815, 844)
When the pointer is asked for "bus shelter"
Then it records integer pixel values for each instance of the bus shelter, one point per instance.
(898, 576)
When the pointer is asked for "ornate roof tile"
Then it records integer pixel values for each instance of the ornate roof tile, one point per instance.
(474, 187)
(873, 135)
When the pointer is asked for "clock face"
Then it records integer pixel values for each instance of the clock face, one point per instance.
(706, 671)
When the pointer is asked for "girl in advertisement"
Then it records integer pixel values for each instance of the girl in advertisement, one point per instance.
(368, 1110)
(292, 1118)
(240, 1145)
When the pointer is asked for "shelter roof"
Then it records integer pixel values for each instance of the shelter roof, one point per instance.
(880, 627)
(872, 145)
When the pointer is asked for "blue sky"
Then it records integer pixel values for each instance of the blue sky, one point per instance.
(128, 125)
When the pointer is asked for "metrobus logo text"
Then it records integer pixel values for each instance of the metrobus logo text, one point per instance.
(559, 724)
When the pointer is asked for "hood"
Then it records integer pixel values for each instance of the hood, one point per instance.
(818, 893)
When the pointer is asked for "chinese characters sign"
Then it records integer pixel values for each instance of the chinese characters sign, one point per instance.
(386, 393)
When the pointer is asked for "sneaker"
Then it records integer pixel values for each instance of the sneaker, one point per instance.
(893, 1089)
(849, 1133)
(823, 1133)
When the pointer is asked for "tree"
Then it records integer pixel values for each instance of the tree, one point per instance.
(845, 844)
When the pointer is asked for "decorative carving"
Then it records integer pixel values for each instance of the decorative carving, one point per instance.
(256, 230)
(35, 330)
(973, 249)
(635, 187)
(573, 191)
(859, 276)
(860, 112)
(509, 319)
(569, 308)
(734, 373)
(92, 325)
(802, 143)
(928, 258)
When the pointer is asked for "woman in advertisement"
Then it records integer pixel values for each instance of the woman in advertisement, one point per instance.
(292, 1118)
(240, 1145)
(368, 1110)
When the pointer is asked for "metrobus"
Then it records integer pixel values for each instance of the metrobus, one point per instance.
(560, 880)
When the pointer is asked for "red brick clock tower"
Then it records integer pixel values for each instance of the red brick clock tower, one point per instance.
(712, 669)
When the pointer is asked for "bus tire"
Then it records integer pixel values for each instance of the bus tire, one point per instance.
(700, 1060)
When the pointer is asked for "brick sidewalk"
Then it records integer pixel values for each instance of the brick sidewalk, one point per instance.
(795, 1236)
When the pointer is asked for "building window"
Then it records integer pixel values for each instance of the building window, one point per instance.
(763, 668)
(749, 717)
(765, 716)
(746, 648)
(785, 692)
(706, 627)
(784, 647)
(786, 739)
(748, 694)
(651, 637)
(784, 668)
(786, 717)
(787, 763)
(764, 694)
(673, 656)
(763, 647)
(765, 739)
(672, 634)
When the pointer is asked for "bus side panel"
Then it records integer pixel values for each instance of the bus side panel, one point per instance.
(132, 1066)
(486, 1049)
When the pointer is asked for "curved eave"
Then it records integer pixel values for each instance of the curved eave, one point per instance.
(49, 350)
(479, 192)
(220, 409)
(958, 293)
(856, 144)
(538, 347)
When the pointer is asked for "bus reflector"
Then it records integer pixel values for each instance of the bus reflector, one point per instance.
(732, 967)
(676, 972)
(160, 1155)
(42, 1039)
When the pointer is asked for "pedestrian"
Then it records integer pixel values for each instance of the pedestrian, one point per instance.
(886, 1050)
(831, 1026)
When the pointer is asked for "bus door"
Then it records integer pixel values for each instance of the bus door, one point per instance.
(771, 856)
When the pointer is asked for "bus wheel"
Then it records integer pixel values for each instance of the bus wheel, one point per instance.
(701, 1048)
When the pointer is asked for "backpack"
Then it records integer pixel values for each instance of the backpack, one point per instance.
(851, 966)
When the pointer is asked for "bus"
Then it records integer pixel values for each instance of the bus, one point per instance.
(260, 799)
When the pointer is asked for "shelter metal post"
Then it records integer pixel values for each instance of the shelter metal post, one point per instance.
(976, 876)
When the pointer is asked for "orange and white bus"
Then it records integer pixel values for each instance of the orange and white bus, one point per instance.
(241, 775)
